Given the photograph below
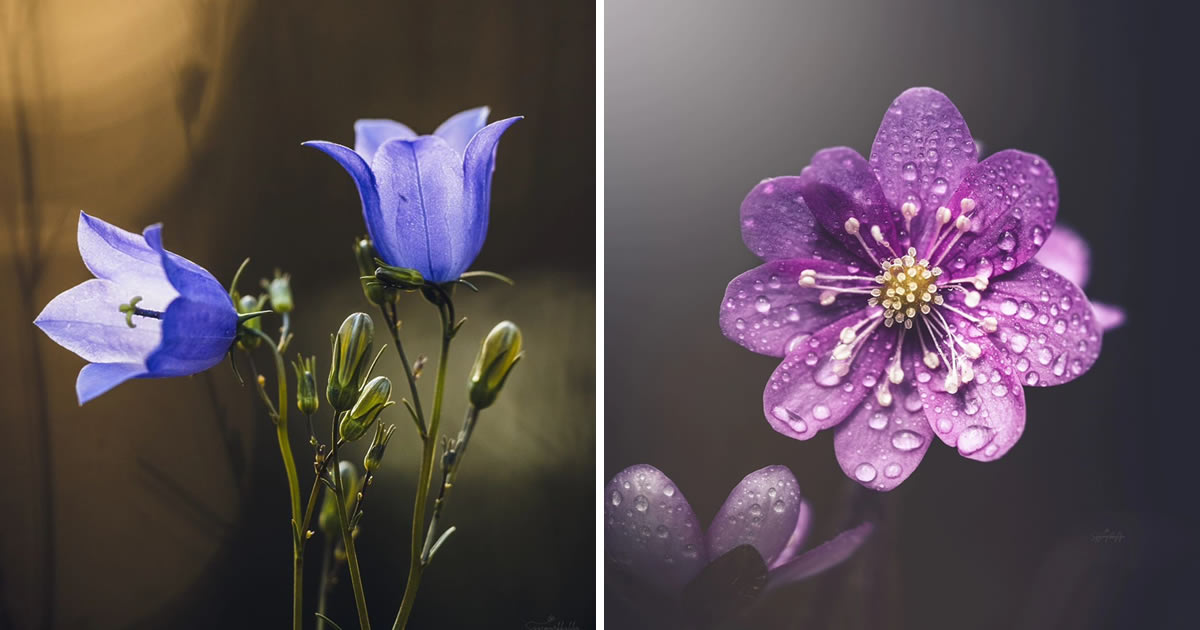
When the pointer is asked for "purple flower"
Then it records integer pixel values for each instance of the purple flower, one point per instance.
(652, 536)
(903, 295)
(1066, 253)
(147, 313)
(425, 198)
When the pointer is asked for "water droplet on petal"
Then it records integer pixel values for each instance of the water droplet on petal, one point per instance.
(640, 503)
(906, 440)
(974, 438)
(892, 470)
(865, 472)
(616, 498)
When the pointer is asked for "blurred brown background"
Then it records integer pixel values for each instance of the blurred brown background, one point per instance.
(163, 503)
(703, 103)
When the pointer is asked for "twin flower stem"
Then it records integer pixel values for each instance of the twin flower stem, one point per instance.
(423, 545)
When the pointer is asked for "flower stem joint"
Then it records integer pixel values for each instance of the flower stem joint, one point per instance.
(351, 354)
(364, 254)
(374, 457)
(498, 353)
(307, 400)
(376, 396)
(248, 304)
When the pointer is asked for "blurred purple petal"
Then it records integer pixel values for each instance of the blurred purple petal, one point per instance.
(85, 320)
(766, 309)
(811, 390)
(838, 186)
(1066, 253)
(778, 224)
(371, 133)
(762, 511)
(1044, 324)
(479, 162)
(458, 129)
(822, 557)
(982, 418)
(1013, 202)
(879, 446)
(420, 189)
(1108, 317)
(799, 535)
(125, 258)
(650, 529)
(97, 378)
(920, 154)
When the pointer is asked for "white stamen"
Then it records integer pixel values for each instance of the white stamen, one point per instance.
(972, 299)
(943, 215)
(989, 324)
(882, 395)
(967, 204)
(827, 297)
(908, 209)
(852, 226)
(962, 224)
(931, 360)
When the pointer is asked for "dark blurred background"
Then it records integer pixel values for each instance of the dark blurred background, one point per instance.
(163, 504)
(703, 102)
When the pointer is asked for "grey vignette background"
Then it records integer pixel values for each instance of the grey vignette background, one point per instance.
(168, 498)
(1089, 521)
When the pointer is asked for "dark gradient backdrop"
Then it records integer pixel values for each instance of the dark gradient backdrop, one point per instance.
(703, 102)
(163, 503)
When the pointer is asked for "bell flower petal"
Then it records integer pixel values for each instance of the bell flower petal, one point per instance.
(651, 530)
(921, 153)
(799, 536)
(458, 129)
(125, 259)
(762, 511)
(86, 320)
(371, 133)
(479, 162)
(97, 378)
(382, 232)
(1108, 316)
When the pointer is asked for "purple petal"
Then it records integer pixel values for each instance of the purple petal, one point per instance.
(879, 446)
(479, 162)
(86, 320)
(382, 232)
(191, 280)
(762, 511)
(920, 154)
(822, 557)
(778, 224)
(458, 129)
(766, 308)
(985, 417)
(839, 186)
(806, 393)
(195, 336)
(126, 259)
(1013, 203)
(1045, 324)
(799, 535)
(371, 133)
(97, 378)
(650, 528)
(421, 194)
(1066, 253)
(1107, 316)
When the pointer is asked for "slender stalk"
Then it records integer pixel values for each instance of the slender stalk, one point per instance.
(448, 476)
(416, 567)
(289, 465)
(389, 316)
(323, 587)
(360, 600)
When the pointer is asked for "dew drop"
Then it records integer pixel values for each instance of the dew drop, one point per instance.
(865, 472)
(908, 171)
(779, 507)
(892, 470)
(821, 412)
(616, 498)
(762, 304)
(1008, 307)
(669, 491)
(1018, 343)
(906, 440)
(878, 421)
(974, 438)
(640, 503)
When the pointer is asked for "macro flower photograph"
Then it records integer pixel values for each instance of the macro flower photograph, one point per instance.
(908, 257)
(301, 314)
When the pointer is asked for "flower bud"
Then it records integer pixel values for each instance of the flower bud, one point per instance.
(249, 304)
(306, 385)
(499, 352)
(375, 397)
(374, 457)
(351, 356)
(364, 255)
(280, 292)
(327, 519)
(400, 277)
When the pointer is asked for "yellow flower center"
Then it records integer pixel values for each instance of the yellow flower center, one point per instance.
(908, 286)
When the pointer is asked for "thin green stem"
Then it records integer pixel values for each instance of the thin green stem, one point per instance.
(360, 600)
(289, 465)
(390, 317)
(448, 476)
(416, 567)
(324, 585)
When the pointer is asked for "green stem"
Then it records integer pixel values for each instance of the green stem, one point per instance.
(416, 567)
(360, 600)
(323, 588)
(289, 465)
(389, 316)
(448, 477)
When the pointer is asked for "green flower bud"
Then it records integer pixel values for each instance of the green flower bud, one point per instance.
(327, 519)
(375, 397)
(249, 304)
(374, 457)
(499, 352)
(307, 399)
(364, 255)
(280, 292)
(351, 356)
